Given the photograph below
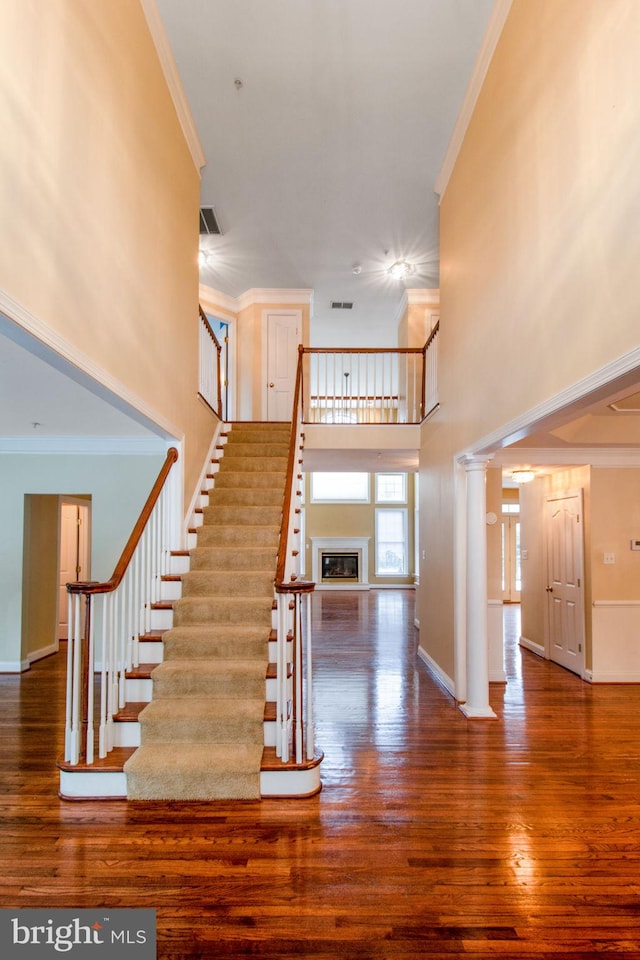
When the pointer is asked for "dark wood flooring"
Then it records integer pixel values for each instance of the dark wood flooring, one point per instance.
(432, 837)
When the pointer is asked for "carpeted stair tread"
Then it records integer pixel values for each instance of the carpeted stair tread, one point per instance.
(212, 721)
(193, 610)
(228, 534)
(243, 515)
(266, 449)
(247, 496)
(209, 678)
(178, 771)
(236, 479)
(214, 583)
(254, 464)
(204, 644)
(233, 558)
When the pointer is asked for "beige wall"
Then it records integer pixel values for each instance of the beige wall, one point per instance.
(615, 521)
(100, 197)
(40, 573)
(538, 239)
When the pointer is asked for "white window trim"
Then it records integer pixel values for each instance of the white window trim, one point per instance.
(405, 529)
(313, 499)
(391, 473)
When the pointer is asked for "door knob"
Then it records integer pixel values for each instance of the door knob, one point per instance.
(549, 589)
(272, 384)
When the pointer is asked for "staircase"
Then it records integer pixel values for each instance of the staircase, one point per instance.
(200, 708)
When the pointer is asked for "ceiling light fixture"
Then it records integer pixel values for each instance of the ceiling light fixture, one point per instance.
(523, 476)
(205, 258)
(400, 269)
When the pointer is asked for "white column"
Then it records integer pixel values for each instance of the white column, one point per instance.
(477, 705)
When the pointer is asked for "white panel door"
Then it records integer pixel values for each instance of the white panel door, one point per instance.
(283, 337)
(565, 579)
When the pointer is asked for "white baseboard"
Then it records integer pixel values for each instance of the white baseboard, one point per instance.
(42, 652)
(602, 677)
(443, 678)
(14, 666)
(531, 645)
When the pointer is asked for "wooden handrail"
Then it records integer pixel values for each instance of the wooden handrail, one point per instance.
(432, 336)
(108, 586)
(291, 464)
(205, 320)
(372, 350)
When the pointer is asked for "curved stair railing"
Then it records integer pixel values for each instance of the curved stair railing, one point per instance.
(294, 703)
(107, 619)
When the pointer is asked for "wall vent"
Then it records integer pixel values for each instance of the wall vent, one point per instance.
(342, 304)
(208, 221)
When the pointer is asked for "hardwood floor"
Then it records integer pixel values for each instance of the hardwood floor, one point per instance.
(433, 836)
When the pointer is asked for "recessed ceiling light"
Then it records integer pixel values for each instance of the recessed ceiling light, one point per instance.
(400, 269)
(205, 258)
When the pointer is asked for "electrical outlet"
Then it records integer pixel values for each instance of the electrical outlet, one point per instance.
(609, 558)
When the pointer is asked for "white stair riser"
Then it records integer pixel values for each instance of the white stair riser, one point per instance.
(126, 733)
(161, 619)
(273, 651)
(138, 691)
(170, 590)
(290, 783)
(151, 651)
(179, 565)
(192, 540)
(84, 784)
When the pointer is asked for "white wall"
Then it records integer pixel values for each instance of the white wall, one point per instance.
(119, 486)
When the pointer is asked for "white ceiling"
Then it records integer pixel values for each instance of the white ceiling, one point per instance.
(326, 152)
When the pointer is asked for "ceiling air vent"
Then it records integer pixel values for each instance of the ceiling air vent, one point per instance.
(208, 222)
(342, 304)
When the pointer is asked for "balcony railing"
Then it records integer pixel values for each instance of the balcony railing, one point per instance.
(370, 386)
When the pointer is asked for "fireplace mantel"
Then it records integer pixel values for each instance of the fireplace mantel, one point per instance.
(359, 545)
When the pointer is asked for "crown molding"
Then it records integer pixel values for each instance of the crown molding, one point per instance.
(274, 295)
(217, 302)
(83, 446)
(174, 83)
(425, 296)
(568, 456)
(496, 23)
(34, 335)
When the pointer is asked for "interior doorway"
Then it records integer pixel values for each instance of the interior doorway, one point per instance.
(74, 553)
(565, 579)
(511, 568)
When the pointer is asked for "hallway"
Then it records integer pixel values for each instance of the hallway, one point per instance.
(433, 836)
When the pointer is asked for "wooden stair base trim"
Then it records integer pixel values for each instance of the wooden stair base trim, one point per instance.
(112, 763)
(162, 605)
(152, 636)
(130, 712)
(141, 672)
(171, 578)
(274, 764)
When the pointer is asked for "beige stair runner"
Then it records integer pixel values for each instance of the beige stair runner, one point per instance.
(202, 734)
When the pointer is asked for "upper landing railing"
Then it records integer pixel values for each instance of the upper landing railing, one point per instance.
(370, 386)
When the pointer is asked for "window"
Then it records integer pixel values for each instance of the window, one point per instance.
(511, 507)
(340, 487)
(391, 488)
(391, 543)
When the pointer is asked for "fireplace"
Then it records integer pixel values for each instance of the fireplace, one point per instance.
(340, 563)
(339, 566)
